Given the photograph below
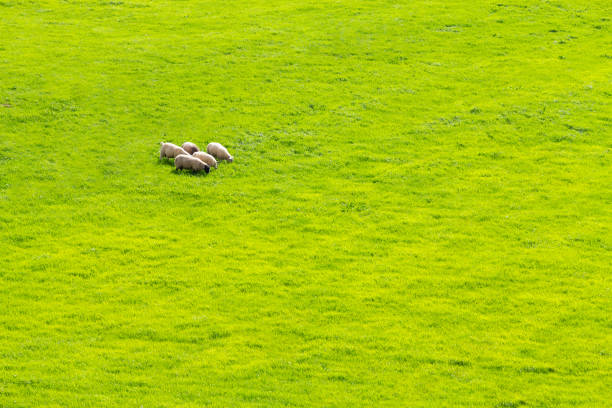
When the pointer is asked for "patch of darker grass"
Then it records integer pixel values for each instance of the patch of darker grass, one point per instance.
(511, 404)
(460, 363)
(218, 334)
(537, 370)
(576, 129)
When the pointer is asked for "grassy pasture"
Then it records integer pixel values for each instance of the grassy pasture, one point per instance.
(419, 212)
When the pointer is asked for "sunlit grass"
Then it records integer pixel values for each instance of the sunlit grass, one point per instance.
(418, 213)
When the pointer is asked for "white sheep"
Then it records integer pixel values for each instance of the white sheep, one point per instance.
(219, 152)
(190, 148)
(206, 158)
(186, 161)
(170, 150)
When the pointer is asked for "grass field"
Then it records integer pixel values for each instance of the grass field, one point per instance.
(419, 213)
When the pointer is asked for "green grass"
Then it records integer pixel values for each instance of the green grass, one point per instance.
(419, 212)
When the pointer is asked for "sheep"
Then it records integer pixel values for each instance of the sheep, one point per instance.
(206, 158)
(190, 148)
(170, 150)
(219, 152)
(186, 161)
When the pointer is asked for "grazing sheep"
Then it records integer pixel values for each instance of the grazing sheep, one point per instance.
(220, 152)
(206, 158)
(186, 161)
(190, 148)
(170, 150)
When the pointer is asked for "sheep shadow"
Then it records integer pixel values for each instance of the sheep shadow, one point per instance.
(165, 161)
(189, 173)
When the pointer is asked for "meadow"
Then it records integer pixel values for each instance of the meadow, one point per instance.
(419, 213)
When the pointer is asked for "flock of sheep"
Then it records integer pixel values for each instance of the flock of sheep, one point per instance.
(188, 156)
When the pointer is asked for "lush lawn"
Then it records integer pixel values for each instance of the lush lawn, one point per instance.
(419, 212)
